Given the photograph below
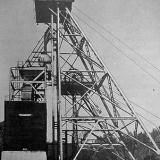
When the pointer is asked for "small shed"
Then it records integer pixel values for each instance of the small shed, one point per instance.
(43, 15)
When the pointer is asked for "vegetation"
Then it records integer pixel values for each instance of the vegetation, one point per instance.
(139, 151)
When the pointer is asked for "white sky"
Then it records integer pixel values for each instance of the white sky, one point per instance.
(135, 22)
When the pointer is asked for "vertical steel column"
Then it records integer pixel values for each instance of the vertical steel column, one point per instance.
(75, 134)
(52, 43)
(49, 93)
(59, 90)
(52, 74)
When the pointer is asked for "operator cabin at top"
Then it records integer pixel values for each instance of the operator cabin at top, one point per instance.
(43, 14)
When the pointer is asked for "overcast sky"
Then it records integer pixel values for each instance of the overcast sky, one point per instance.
(135, 22)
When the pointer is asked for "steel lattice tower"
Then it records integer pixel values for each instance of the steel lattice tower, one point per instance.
(82, 95)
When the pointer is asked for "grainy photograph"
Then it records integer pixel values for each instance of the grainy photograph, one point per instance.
(80, 80)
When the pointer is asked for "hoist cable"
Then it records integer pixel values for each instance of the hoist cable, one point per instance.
(118, 49)
(118, 39)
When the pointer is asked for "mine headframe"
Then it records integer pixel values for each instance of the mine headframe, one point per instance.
(96, 114)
